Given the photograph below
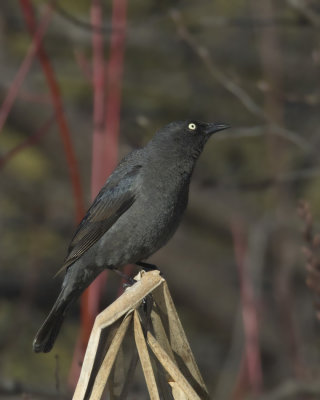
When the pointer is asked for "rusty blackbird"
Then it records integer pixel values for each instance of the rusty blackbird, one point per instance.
(136, 212)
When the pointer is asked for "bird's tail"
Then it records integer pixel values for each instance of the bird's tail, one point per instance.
(47, 334)
(75, 282)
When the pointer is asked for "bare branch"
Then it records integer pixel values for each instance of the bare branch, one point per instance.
(306, 11)
(203, 53)
(31, 140)
(24, 68)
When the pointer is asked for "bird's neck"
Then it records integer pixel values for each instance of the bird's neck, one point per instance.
(180, 160)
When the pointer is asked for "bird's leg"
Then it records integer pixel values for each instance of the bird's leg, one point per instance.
(130, 280)
(147, 267)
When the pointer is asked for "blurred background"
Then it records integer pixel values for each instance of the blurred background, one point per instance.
(70, 71)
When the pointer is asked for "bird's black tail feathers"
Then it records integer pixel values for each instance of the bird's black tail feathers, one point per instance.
(47, 334)
(75, 282)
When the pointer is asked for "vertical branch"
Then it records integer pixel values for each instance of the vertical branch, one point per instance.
(114, 80)
(249, 311)
(99, 159)
(106, 131)
(28, 13)
(90, 298)
(106, 121)
(106, 117)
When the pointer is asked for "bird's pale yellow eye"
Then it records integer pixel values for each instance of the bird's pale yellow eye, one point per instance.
(192, 126)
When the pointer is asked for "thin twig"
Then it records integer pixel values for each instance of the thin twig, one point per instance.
(306, 11)
(24, 67)
(33, 139)
(218, 21)
(91, 27)
(29, 16)
(264, 183)
(203, 53)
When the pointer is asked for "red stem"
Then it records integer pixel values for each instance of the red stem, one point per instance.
(99, 159)
(106, 125)
(65, 134)
(114, 80)
(249, 310)
(106, 116)
(91, 297)
(83, 65)
(24, 67)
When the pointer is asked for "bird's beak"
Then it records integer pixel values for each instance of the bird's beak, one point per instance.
(212, 128)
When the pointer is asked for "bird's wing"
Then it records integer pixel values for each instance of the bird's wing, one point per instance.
(116, 197)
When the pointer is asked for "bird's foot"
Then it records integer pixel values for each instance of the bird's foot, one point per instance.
(130, 280)
(148, 267)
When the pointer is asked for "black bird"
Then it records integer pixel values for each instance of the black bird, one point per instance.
(136, 212)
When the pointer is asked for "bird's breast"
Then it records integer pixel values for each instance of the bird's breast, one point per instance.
(149, 223)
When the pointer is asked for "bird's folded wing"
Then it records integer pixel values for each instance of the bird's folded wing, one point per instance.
(116, 197)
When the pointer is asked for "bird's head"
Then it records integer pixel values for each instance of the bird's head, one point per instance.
(187, 136)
